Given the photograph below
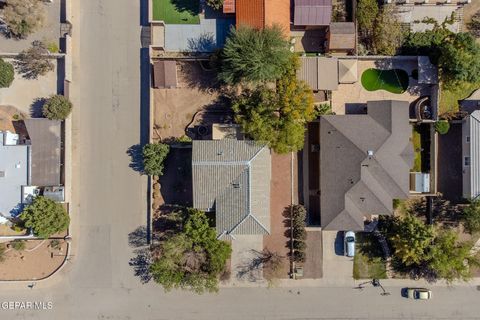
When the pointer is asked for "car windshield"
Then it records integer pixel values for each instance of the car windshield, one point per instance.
(350, 239)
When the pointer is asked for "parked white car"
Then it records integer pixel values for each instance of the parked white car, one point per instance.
(350, 244)
(419, 293)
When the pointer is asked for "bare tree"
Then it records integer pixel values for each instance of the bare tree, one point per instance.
(23, 17)
(35, 61)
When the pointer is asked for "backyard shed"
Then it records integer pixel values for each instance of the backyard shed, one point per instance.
(165, 74)
(312, 12)
(341, 36)
(347, 70)
(46, 153)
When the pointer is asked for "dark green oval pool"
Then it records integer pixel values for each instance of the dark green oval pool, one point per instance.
(393, 80)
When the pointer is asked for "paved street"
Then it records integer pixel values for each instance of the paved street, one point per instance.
(110, 202)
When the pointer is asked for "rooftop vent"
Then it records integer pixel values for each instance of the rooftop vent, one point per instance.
(236, 185)
(370, 153)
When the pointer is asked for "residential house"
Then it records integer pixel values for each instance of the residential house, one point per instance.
(365, 162)
(261, 13)
(231, 179)
(30, 165)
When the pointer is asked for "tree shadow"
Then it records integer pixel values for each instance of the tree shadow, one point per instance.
(140, 263)
(190, 6)
(136, 154)
(203, 43)
(200, 75)
(36, 108)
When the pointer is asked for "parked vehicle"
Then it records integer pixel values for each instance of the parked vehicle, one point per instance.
(419, 293)
(350, 244)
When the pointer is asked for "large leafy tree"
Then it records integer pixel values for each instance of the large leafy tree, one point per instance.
(192, 259)
(24, 17)
(45, 217)
(449, 258)
(254, 56)
(411, 240)
(277, 117)
(471, 216)
(215, 4)
(460, 58)
(367, 11)
(34, 61)
(154, 155)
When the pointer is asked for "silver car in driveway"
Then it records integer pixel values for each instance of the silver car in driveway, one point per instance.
(350, 244)
(419, 293)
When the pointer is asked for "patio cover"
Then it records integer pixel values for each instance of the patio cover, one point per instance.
(347, 71)
(164, 74)
(320, 73)
(312, 12)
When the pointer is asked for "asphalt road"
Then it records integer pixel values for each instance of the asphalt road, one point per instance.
(110, 202)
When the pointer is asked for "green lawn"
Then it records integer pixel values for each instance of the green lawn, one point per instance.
(450, 95)
(368, 263)
(417, 147)
(421, 148)
(394, 80)
(176, 11)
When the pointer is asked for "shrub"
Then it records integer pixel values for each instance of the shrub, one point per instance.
(18, 245)
(7, 74)
(154, 155)
(55, 244)
(471, 217)
(215, 4)
(2, 252)
(45, 217)
(299, 256)
(57, 107)
(299, 245)
(23, 17)
(442, 126)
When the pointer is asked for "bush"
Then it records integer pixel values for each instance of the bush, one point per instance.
(45, 217)
(23, 17)
(471, 217)
(215, 4)
(57, 107)
(18, 245)
(7, 74)
(442, 126)
(154, 155)
(299, 245)
(299, 256)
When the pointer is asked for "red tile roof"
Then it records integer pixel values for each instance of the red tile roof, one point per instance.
(261, 13)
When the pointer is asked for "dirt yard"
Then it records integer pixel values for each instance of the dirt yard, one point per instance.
(468, 11)
(280, 198)
(8, 116)
(39, 259)
(174, 108)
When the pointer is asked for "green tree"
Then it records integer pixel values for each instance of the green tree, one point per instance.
(471, 216)
(411, 240)
(367, 11)
(460, 58)
(34, 61)
(57, 107)
(45, 217)
(7, 74)
(192, 259)
(277, 117)
(474, 25)
(23, 17)
(387, 33)
(449, 258)
(215, 4)
(18, 245)
(154, 155)
(254, 56)
(442, 126)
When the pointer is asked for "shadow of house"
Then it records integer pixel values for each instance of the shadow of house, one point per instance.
(176, 183)
(203, 43)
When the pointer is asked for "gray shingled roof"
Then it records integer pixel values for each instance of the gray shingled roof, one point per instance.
(45, 136)
(232, 178)
(352, 182)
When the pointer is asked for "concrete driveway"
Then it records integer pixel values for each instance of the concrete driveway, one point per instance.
(335, 265)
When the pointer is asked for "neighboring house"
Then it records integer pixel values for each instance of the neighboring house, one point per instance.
(365, 162)
(471, 155)
(261, 13)
(341, 38)
(31, 165)
(415, 13)
(231, 178)
(14, 172)
(312, 13)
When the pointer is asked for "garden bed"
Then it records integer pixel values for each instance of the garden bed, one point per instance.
(421, 148)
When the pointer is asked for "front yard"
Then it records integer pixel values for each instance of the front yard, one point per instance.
(449, 96)
(176, 11)
(368, 262)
